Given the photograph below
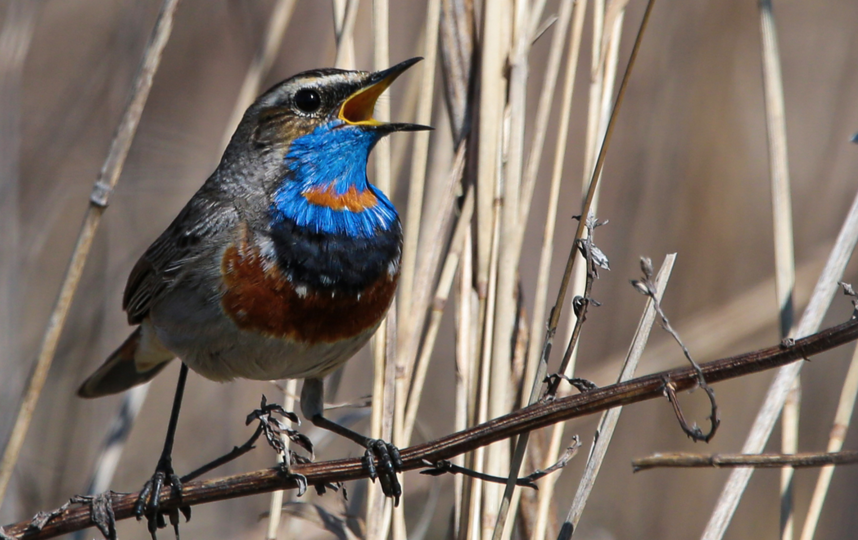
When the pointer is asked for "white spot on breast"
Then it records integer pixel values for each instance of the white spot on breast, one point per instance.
(301, 291)
(393, 267)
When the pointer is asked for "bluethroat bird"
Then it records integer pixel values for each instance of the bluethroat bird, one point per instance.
(281, 266)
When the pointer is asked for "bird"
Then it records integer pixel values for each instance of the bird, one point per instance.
(281, 266)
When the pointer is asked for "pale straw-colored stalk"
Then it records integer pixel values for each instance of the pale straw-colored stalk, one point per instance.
(465, 341)
(547, 251)
(377, 523)
(277, 498)
(402, 427)
(823, 293)
(842, 419)
(483, 460)
(345, 14)
(419, 157)
(528, 183)
(782, 213)
(544, 109)
(783, 238)
(442, 292)
(609, 419)
(508, 257)
(107, 180)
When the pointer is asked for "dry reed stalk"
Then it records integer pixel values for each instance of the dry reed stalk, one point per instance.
(104, 185)
(527, 179)
(423, 284)
(488, 494)
(464, 355)
(609, 419)
(546, 254)
(376, 523)
(345, 14)
(544, 108)
(506, 304)
(782, 383)
(593, 185)
(842, 419)
(445, 283)
(277, 497)
(419, 158)
(783, 238)
(401, 432)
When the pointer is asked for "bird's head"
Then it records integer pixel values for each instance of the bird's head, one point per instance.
(320, 124)
(328, 99)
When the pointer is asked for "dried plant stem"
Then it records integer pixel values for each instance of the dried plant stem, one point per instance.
(534, 365)
(409, 341)
(419, 157)
(377, 524)
(544, 110)
(781, 385)
(464, 373)
(445, 283)
(783, 236)
(842, 419)
(609, 419)
(345, 14)
(276, 506)
(508, 258)
(483, 457)
(757, 461)
(527, 419)
(107, 179)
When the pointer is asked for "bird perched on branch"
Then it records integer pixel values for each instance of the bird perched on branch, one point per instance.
(281, 266)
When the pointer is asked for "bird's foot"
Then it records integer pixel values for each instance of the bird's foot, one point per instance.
(388, 463)
(149, 501)
(275, 430)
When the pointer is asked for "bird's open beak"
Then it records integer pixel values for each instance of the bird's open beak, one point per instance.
(357, 109)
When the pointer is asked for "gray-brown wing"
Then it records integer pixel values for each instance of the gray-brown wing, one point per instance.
(169, 258)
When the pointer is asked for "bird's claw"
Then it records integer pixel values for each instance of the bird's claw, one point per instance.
(149, 501)
(389, 462)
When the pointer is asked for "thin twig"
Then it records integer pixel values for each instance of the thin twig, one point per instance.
(647, 287)
(527, 419)
(608, 422)
(98, 200)
(757, 461)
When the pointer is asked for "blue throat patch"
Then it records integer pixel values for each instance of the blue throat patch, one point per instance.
(328, 191)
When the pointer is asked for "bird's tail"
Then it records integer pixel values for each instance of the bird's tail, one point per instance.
(135, 362)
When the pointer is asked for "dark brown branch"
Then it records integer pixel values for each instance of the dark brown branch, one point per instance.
(538, 415)
(760, 461)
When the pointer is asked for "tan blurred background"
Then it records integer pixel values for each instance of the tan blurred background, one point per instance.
(687, 173)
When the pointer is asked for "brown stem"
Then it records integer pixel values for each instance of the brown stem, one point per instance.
(538, 415)
(759, 461)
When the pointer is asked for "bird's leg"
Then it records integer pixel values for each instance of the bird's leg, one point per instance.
(387, 455)
(148, 503)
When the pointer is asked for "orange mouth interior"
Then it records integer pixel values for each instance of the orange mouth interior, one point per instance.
(358, 108)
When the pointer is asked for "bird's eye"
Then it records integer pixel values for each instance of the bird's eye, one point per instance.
(308, 101)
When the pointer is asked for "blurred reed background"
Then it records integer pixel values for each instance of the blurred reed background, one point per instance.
(687, 172)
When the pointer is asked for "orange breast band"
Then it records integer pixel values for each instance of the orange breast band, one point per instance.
(352, 200)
